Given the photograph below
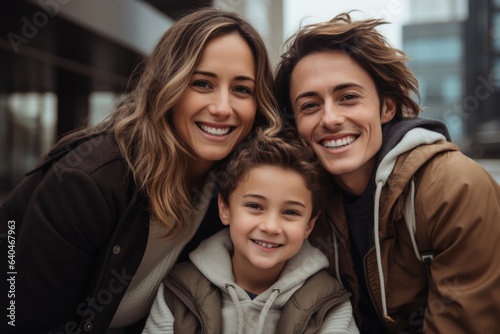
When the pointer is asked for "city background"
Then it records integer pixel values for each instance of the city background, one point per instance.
(64, 63)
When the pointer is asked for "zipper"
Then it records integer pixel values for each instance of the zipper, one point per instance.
(372, 298)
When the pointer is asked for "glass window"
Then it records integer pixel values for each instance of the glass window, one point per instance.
(495, 72)
(443, 50)
(101, 105)
(451, 89)
(495, 31)
(28, 131)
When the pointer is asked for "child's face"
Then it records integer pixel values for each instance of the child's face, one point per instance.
(270, 206)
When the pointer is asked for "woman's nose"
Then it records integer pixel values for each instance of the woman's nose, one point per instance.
(221, 106)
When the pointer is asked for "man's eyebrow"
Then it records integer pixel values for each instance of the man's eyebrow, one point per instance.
(334, 90)
(305, 94)
(213, 75)
(346, 85)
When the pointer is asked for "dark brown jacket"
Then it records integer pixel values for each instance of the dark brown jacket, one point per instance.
(81, 229)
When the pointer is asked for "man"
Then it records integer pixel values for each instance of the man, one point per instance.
(412, 225)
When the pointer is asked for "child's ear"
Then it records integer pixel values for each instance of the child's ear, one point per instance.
(310, 225)
(223, 211)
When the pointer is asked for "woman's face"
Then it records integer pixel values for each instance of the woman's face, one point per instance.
(217, 109)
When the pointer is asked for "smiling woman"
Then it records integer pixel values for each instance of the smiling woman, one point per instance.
(118, 202)
(218, 107)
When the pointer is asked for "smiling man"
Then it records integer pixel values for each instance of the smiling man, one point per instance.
(349, 94)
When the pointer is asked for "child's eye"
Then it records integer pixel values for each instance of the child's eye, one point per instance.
(291, 213)
(253, 206)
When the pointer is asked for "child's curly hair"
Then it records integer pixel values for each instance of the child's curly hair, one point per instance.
(285, 149)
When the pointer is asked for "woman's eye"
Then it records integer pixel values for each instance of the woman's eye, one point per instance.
(201, 84)
(243, 90)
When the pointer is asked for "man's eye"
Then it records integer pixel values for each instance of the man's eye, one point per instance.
(253, 206)
(308, 106)
(350, 97)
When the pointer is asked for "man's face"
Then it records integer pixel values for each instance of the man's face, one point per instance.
(337, 110)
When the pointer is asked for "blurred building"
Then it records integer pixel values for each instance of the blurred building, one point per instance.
(455, 52)
(435, 42)
(64, 63)
(266, 16)
(482, 100)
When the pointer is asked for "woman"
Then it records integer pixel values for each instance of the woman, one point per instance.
(104, 216)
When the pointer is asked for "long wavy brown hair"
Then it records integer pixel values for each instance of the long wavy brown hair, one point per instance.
(362, 42)
(142, 125)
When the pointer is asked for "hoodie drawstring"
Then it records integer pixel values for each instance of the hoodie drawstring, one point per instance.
(376, 233)
(263, 314)
(413, 138)
(232, 292)
(411, 222)
(265, 309)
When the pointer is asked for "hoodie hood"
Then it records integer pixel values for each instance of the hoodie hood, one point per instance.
(213, 260)
(394, 131)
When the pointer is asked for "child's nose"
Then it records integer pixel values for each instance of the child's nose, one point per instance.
(271, 224)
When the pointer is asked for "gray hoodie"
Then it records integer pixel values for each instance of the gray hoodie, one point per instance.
(241, 314)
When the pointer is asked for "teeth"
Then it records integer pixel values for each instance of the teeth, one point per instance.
(339, 142)
(215, 131)
(263, 244)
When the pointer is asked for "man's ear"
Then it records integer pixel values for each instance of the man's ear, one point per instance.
(223, 211)
(388, 110)
(310, 225)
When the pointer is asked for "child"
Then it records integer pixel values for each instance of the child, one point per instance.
(260, 275)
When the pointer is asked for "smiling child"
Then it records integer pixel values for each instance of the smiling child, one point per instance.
(260, 275)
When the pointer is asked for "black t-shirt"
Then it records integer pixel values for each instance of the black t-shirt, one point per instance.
(359, 214)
